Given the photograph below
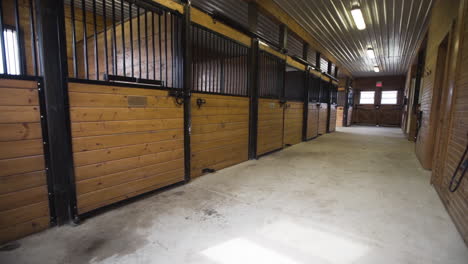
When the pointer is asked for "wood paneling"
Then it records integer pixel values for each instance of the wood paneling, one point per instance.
(121, 150)
(339, 116)
(24, 205)
(452, 121)
(293, 119)
(333, 114)
(270, 126)
(220, 132)
(312, 120)
(323, 119)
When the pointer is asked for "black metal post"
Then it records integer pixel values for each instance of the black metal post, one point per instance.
(317, 60)
(187, 61)
(253, 94)
(283, 41)
(329, 101)
(53, 59)
(2, 42)
(19, 34)
(305, 114)
(329, 68)
(336, 72)
(305, 50)
(346, 105)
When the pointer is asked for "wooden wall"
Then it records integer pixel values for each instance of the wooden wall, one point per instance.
(126, 141)
(220, 132)
(24, 205)
(312, 120)
(293, 118)
(270, 126)
(333, 114)
(323, 119)
(441, 22)
(339, 116)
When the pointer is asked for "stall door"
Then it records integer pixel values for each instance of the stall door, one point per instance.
(220, 132)
(378, 108)
(126, 141)
(24, 199)
(293, 119)
(333, 114)
(270, 126)
(312, 120)
(323, 118)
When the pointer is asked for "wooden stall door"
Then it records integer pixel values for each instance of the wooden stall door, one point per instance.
(220, 132)
(126, 141)
(24, 205)
(293, 119)
(365, 115)
(333, 113)
(312, 120)
(323, 118)
(270, 126)
(389, 115)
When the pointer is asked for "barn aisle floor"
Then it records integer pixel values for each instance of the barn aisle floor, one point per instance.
(357, 195)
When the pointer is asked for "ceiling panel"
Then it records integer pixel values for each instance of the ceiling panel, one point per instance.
(394, 28)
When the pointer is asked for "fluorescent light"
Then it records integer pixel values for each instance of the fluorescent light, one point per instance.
(370, 52)
(376, 68)
(358, 18)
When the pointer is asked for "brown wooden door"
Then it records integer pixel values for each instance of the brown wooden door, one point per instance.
(378, 108)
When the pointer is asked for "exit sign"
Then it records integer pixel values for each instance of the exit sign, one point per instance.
(378, 84)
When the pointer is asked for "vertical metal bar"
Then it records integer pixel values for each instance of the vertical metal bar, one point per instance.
(96, 55)
(139, 41)
(153, 46)
(210, 60)
(160, 48)
(305, 112)
(114, 40)
(146, 44)
(172, 50)
(85, 40)
(75, 62)
(19, 35)
(204, 85)
(122, 26)
(223, 61)
(253, 87)
(317, 60)
(106, 55)
(33, 39)
(305, 50)
(165, 47)
(132, 62)
(2, 41)
(187, 60)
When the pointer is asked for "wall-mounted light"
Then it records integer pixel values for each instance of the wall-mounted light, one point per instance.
(357, 16)
(370, 52)
(376, 68)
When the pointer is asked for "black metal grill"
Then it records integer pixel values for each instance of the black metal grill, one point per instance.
(270, 75)
(219, 64)
(314, 88)
(18, 40)
(324, 91)
(134, 39)
(294, 84)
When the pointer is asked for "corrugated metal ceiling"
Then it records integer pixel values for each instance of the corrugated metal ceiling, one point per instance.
(394, 29)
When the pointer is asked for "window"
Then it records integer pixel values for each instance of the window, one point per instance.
(367, 97)
(389, 97)
(11, 52)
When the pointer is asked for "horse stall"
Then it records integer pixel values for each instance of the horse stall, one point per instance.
(24, 191)
(294, 107)
(333, 107)
(126, 124)
(323, 108)
(220, 102)
(313, 86)
(270, 106)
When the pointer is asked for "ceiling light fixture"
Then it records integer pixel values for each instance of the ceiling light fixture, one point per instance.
(376, 68)
(370, 52)
(357, 16)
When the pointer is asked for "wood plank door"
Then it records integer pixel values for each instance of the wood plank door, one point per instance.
(378, 108)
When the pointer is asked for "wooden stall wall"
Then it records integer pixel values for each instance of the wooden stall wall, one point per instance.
(339, 116)
(24, 205)
(441, 23)
(323, 119)
(270, 125)
(313, 120)
(293, 119)
(126, 141)
(220, 132)
(452, 135)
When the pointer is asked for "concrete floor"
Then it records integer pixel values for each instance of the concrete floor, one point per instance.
(355, 196)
